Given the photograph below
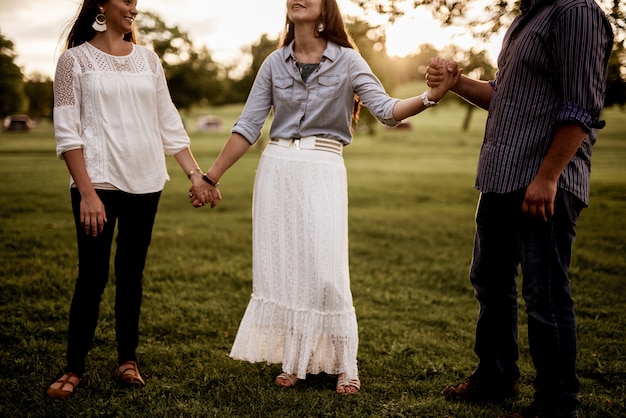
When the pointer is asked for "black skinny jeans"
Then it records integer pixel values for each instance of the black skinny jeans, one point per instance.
(135, 216)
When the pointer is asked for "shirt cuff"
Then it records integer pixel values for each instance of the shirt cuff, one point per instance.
(571, 112)
(62, 149)
(245, 131)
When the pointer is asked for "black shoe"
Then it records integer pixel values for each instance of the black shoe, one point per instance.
(476, 389)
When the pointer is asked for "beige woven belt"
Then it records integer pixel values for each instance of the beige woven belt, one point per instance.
(310, 142)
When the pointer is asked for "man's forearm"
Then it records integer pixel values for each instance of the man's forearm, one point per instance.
(567, 140)
(476, 92)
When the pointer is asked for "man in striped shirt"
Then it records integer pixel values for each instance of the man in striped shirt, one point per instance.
(533, 177)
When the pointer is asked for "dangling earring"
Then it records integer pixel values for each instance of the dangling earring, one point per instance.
(321, 27)
(100, 24)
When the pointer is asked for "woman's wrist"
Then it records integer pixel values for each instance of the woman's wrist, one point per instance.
(206, 177)
(428, 99)
(196, 172)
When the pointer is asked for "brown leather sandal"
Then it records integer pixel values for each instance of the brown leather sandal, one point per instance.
(64, 387)
(128, 374)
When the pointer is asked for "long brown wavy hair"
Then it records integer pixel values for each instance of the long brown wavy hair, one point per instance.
(81, 31)
(334, 31)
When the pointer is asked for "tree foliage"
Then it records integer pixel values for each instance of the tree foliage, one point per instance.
(615, 84)
(38, 89)
(170, 43)
(258, 51)
(193, 77)
(482, 18)
(13, 98)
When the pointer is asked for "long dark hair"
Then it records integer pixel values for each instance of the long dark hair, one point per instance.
(334, 27)
(334, 31)
(81, 31)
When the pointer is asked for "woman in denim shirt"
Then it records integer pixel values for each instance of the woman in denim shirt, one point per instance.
(301, 313)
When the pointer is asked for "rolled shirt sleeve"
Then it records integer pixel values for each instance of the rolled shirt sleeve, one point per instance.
(581, 64)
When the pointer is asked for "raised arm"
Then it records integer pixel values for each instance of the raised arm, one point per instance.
(414, 105)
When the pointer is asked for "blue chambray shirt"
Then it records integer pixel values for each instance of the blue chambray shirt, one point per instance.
(552, 69)
(320, 107)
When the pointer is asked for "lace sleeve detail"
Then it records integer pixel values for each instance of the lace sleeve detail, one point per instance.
(63, 79)
(67, 101)
(153, 61)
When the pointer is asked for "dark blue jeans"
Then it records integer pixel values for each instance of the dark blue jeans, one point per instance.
(505, 240)
(134, 215)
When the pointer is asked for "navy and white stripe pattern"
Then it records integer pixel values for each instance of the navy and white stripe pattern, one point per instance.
(552, 69)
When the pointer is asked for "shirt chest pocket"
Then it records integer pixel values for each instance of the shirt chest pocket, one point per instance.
(329, 86)
(283, 88)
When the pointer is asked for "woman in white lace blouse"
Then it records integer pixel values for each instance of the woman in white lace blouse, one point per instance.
(114, 122)
(301, 313)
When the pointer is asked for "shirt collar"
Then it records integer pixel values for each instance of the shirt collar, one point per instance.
(331, 52)
(528, 5)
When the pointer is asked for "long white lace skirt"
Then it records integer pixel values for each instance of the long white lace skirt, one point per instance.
(300, 313)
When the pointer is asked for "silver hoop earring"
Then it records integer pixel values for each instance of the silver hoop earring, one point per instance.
(100, 24)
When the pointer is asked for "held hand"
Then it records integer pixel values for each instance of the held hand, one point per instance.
(441, 76)
(434, 71)
(201, 193)
(539, 199)
(92, 214)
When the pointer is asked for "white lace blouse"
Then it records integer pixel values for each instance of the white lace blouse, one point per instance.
(119, 111)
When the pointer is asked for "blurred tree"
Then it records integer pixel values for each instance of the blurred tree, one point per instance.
(38, 89)
(195, 81)
(193, 77)
(615, 85)
(481, 18)
(171, 44)
(259, 51)
(12, 99)
(413, 66)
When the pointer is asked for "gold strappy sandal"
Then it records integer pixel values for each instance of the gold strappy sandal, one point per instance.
(286, 380)
(347, 387)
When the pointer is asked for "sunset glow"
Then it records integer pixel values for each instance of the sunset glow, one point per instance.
(225, 28)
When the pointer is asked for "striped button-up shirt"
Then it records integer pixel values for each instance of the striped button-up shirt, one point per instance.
(551, 70)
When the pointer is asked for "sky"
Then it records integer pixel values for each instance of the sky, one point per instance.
(36, 26)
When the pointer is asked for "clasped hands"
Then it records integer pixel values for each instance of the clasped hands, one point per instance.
(441, 75)
(201, 193)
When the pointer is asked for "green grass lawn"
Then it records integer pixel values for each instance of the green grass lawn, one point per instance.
(411, 229)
